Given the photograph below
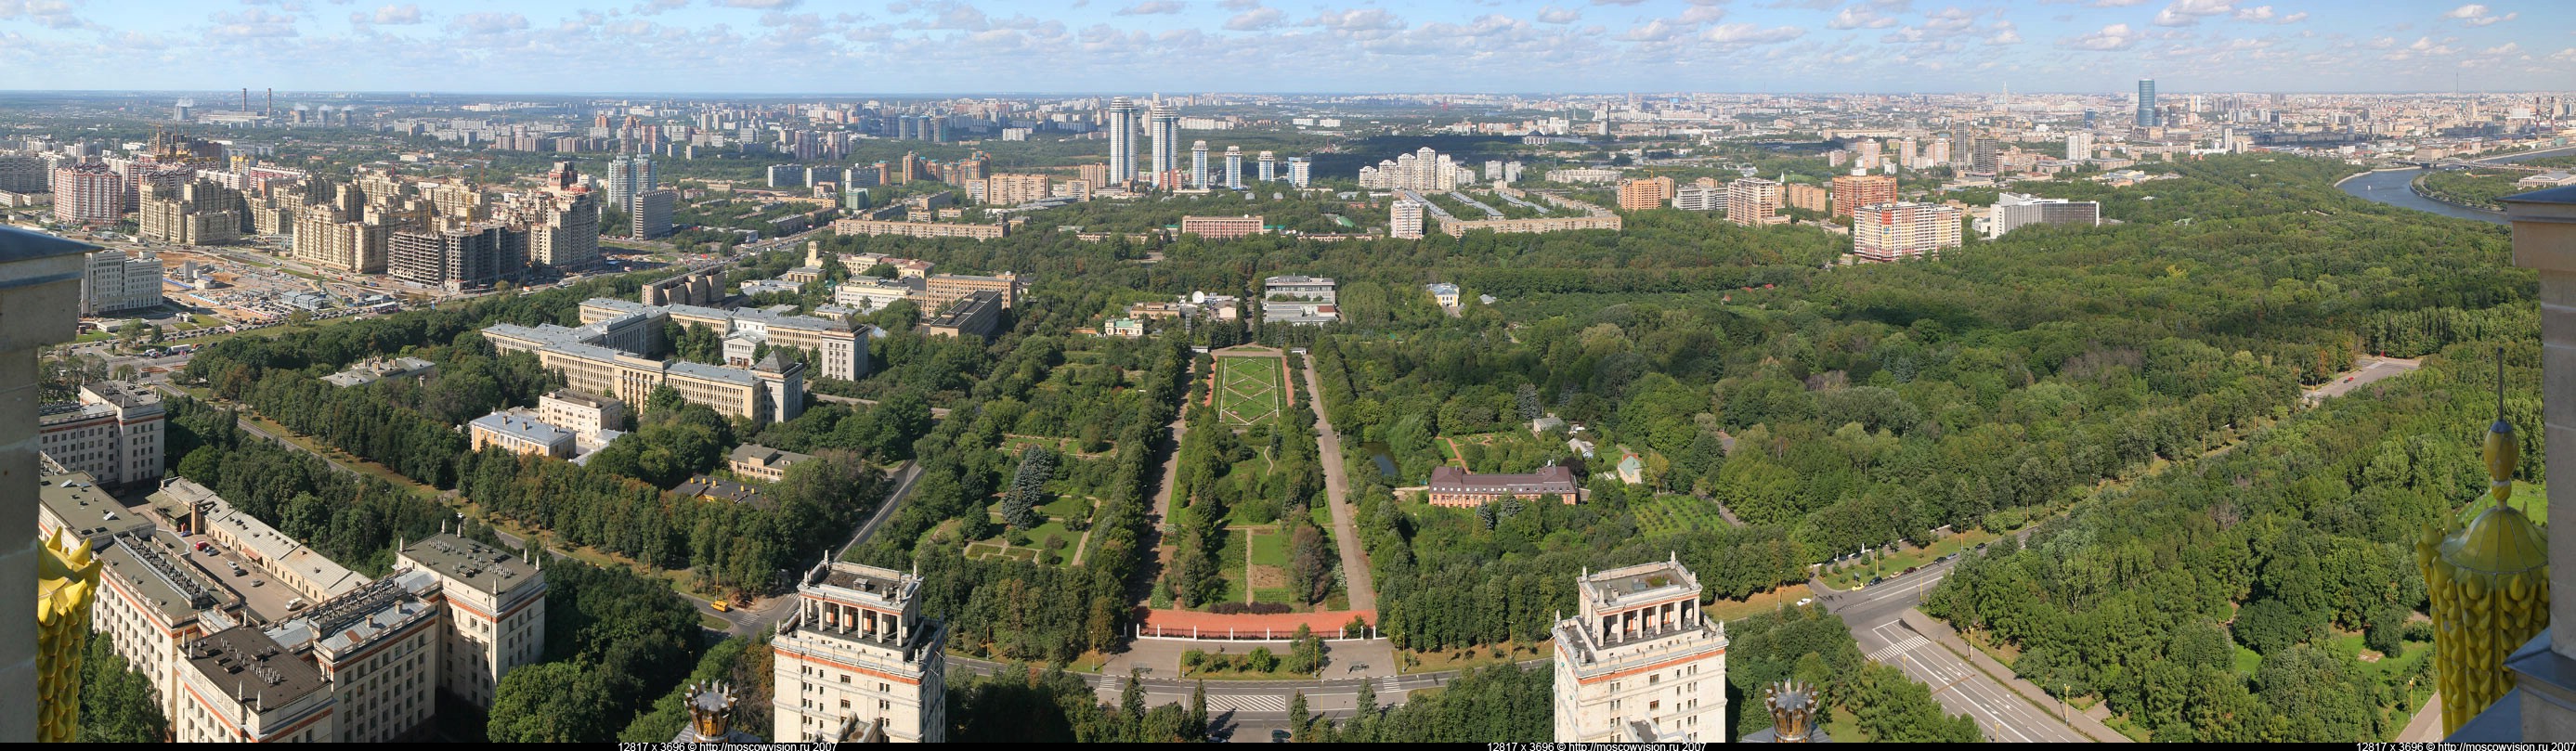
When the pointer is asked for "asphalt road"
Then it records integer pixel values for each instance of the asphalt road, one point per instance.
(764, 612)
(1356, 575)
(2371, 369)
(1873, 613)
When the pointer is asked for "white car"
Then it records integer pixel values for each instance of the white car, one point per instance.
(1805, 601)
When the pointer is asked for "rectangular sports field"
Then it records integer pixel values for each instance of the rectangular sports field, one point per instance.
(1247, 389)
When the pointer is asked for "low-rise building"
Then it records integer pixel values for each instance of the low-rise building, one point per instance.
(378, 648)
(520, 435)
(113, 281)
(1221, 227)
(762, 463)
(938, 290)
(72, 502)
(858, 655)
(581, 412)
(1444, 293)
(376, 369)
(293, 564)
(1299, 301)
(974, 315)
(869, 293)
(705, 488)
(1458, 488)
(1124, 328)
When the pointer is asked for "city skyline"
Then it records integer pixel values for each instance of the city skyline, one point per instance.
(788, 47)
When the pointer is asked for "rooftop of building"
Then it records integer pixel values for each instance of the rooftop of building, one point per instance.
(973, 304)
(262, 673)
(720, 489)
(1549, 479)
(583, 398)
(764, 455)
(870, 581)
(2561, 195)
(522, 428)
(1640, 580)
(87, 511)
(120, 394)
(152, 564)
(1296, 280)
(704, 371)
(484, 567)
(360, 616)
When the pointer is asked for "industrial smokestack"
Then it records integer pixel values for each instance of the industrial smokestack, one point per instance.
(271, 111)
(245, 99)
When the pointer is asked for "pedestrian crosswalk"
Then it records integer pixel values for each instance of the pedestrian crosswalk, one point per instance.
(1890, 652)
(1247, 703)
(1387, 685)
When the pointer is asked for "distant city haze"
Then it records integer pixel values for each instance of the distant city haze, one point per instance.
(1111, 46)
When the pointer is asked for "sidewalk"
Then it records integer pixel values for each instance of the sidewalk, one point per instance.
(1941, 633)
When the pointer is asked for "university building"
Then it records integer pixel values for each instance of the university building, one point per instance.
(857, 658)
(1458, 488)
(1639, 661)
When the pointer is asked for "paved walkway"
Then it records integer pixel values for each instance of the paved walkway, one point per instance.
(1337, 488)
(2426, 727)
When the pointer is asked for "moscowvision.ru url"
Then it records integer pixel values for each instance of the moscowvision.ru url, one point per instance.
(2424, 746)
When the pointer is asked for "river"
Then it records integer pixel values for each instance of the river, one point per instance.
(2392, 187)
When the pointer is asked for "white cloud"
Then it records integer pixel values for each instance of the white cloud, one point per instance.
(1239, 5)
(253, 24)
(2564, 56)
(1703, 14)
(2004, 33)
(1654, 31)
(390, 15)
(1151, 8)
(1616, 2)
(2117, 3)
(2116, 36)
(52, 14)
(2475, 14)
(1858, 17)
(2507, 49)
(1255, 19)
(759, 4)
(1739, 35)
(2264, 14)
(1553, 14)
(489, 23)
(1357, 19)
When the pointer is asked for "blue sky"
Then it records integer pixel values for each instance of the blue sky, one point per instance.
(958, 46)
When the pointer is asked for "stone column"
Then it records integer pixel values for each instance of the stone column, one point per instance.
(2544, 239)
(40, 281)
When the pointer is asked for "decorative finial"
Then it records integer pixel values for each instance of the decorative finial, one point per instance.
(2503, 449)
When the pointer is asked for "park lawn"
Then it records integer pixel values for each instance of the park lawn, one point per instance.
(1248, 389)
(1322, 513)
(2531, 497)
(2248, 660)
(1761, 602)
(1054, 530)
(1065, 506)
(1270, 548)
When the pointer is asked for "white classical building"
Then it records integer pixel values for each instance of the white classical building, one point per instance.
(1639, 662)
(857, 659)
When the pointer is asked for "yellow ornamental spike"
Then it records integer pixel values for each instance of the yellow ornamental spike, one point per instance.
(66, 584)
(2487, 583)
(2503, 456)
